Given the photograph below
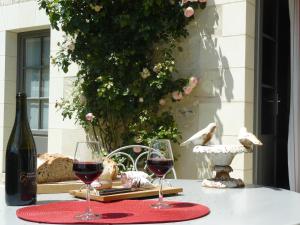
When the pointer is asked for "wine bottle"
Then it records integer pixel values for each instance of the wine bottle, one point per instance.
(20, 167)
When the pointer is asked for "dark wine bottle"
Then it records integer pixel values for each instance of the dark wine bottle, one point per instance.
(20, 167)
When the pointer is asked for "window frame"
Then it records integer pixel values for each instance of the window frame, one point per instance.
(21, 68)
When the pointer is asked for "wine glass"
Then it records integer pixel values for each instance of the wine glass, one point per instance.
(87, 166)
(160, 161)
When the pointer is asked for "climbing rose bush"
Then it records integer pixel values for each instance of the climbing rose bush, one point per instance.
(126, 81)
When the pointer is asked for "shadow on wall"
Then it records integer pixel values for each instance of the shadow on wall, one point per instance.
(202, 56)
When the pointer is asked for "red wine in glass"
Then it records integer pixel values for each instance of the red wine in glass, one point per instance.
(88, 166)
(160, 166)
(160, 161)
(87, 171)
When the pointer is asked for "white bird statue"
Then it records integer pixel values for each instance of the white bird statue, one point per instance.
(248, 139)
(202, 137)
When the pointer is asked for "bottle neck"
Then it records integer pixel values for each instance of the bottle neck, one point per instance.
(21, 109)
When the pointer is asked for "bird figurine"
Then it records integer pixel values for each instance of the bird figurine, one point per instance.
(248, 139)
(202, 137)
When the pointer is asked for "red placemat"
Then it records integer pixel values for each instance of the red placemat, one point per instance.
(127, 211)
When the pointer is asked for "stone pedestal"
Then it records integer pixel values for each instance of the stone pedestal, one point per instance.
(223, 179)
(221, 157)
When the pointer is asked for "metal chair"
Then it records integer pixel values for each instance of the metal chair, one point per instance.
(138, 160)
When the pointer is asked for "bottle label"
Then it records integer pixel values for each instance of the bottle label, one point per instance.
(28, 178)
(28, 185)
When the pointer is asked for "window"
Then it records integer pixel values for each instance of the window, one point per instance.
(34, 76)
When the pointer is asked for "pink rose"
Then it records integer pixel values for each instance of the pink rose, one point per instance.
(71, 46)
(82, 99)
(97, 8)
(193, 81)
(187, 90)
(162, 102)
(89, 117)
(137, 149)
(145, 73)
(177, 95)
(188, 12)
(157, 68)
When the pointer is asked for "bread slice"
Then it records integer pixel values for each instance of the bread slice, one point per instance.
(110, 170)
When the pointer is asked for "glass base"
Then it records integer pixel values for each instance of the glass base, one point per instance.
(161, 205)
(87, 216)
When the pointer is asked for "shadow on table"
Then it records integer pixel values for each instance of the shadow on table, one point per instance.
(182, 205)
(249, 186)
(41, 202)
(115, 215)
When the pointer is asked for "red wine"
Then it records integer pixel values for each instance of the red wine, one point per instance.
(160, 166)
(20, 165)
(87, 171)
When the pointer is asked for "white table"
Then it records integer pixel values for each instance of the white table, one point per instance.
(250, 205)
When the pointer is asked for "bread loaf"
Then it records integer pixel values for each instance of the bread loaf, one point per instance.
(57, 167)
(54, 167)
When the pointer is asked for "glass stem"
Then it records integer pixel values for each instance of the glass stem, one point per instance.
(88, 207)
(160, 194)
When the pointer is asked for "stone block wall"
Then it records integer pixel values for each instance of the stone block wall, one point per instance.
(220, 51)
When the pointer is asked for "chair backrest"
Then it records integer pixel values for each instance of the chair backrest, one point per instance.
(134, 155)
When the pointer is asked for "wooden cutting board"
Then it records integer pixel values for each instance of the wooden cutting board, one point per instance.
(58, 187)
(129, 195)
(63, 186)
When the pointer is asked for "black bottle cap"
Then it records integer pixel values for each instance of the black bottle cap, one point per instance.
(21, 95)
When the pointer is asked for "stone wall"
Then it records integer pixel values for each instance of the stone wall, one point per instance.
(220, 51)
(10, 2)
(62, 134)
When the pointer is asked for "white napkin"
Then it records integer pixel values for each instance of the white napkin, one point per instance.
(136, 179)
